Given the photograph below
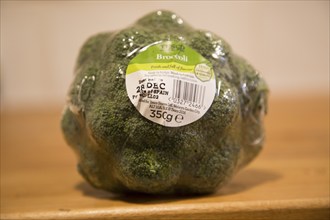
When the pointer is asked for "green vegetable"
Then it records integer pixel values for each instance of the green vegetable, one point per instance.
(121, 151)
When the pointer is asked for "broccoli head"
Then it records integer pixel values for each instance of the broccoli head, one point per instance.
(120, 150)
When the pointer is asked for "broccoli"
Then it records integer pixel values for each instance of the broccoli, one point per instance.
(121, 151)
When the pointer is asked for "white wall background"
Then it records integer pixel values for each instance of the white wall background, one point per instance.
(288, 41)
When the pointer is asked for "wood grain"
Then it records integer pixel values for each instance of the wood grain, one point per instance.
(289, 180)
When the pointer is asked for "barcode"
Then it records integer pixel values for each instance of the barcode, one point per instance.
(187, 91)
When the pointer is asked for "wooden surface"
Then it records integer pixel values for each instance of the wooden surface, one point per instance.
(289, 180)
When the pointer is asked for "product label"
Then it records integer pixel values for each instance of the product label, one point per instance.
(170, 84)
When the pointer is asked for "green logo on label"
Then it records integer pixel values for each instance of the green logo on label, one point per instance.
(203, 72)
(171, 55)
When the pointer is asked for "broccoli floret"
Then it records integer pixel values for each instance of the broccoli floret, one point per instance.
(119, 150)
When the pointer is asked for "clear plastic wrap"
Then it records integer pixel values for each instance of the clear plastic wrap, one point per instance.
(160, 107)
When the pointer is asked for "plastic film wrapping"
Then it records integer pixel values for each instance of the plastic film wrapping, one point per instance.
(161, 107)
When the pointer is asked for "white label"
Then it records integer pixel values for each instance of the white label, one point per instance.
(167, 96)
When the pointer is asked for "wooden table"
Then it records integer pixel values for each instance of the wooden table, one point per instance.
(289, 180)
